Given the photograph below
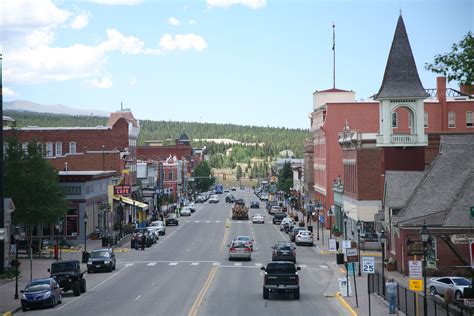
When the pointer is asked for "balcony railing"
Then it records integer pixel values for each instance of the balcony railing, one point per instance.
(404, 138)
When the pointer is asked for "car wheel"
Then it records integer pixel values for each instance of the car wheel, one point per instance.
(266, 293)
(433, 291)
(53, 302)
(60, 298)
(297, 294)
(458, 295)
(114, 265)
(24, 308)
(83, 285)
(89, 271)
(76, 288)
(111, 268)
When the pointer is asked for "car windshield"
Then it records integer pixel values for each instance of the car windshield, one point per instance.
(461, 281)
(284, 247)
(171, 216)
(280, 268)
(243, 238)
(304, 233)
(63, 266)
(100, 254)
(157, 224)
(38, 286)
(238, 245)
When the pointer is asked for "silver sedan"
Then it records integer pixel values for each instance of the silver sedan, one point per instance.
(239, 250)
(440, 285)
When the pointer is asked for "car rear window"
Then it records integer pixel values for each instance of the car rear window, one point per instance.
(239, 245)
(280, 268)
(280, 215)
(284, 247)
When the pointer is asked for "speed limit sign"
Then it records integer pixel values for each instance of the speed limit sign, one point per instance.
(368, 265)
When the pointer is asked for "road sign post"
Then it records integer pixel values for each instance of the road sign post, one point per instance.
(368, 266)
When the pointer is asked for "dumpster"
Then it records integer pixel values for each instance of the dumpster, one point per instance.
(339, 258)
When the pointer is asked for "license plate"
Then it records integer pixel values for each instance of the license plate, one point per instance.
(284, 252)
(97, 266)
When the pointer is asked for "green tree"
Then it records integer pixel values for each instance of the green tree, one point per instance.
(238, 173)
(457, 65)
(203, 178)
(33, 185)
(285, 178)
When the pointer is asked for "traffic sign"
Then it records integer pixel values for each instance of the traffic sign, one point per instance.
(346, 244)
(415, 269)
(415, 285)
(351, 254)
(368, 265)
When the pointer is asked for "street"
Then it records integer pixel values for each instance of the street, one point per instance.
(188, 273)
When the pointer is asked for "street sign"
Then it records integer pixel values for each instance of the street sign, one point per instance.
(415, 285)
(368, 265)
(351, 254)
(415, 269)
(351, 269)
(332, 244)
(346, 244)
(471, 252)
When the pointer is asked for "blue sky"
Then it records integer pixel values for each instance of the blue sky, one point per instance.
(252, 62)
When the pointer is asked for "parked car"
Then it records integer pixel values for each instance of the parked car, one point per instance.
(283, 251)
(159, 226)
(264, 196)
(304, 237)
(281, 277)
(275, 209)
(286, 221)
(200, 198)
(172, 219)
(278, 217)
(190, 206)
(185, 211)
(41, 292)
(153, 234)
(101, 259)
(254, 204)
(214, 198)
(247, 240)
(258, 218)
(441, 284)
(239, 250)
(69, 275)
(233, 189)
(230, 198)
(292, 234)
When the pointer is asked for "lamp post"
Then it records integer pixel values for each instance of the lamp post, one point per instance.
(85, 231)
(425, 236)
(345, 225)
(16, 235)
(383, 240)
(56, 226)
(359, 226)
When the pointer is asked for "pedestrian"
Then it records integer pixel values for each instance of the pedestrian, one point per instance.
(136, 239)
(161, 215)
(391, 288)
(143, 241)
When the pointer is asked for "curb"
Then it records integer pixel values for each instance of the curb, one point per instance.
(13, 311)
(345, 304)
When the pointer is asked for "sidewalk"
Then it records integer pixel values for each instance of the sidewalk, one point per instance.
(378, 305)
(40, 270)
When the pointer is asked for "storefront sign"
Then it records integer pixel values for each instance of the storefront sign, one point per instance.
(351, 254)
(461, 239)
(414, 248)
(121, 189)
(332, 244)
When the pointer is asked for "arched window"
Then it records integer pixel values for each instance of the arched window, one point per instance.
(451, 120)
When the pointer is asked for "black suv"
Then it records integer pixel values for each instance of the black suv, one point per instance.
(101, 259)
(172, 219)
(278, 217)
(284, 251)
(69, 276)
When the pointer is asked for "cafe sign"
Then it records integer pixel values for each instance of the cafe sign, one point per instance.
(122, 190)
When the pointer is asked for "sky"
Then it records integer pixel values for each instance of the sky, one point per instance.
(249, 62)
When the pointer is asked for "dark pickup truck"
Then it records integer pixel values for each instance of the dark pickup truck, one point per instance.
(281, 277)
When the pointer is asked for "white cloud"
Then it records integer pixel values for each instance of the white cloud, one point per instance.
(173, 21)
(192, 22)
(183, 42)
(8, 92)
(118, 2)
(80, 21)
(102, 83)
(132, 81)
(20, 15)
(253, 4)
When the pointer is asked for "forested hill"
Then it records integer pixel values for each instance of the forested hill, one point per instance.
(275, 139)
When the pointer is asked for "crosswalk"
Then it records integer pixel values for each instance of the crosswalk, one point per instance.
(225, 264)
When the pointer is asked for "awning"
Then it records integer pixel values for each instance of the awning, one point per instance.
(130, 201)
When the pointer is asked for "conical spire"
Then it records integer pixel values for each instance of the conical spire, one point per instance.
(401, 78)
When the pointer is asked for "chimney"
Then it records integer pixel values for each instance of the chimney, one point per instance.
(441, 91)
(441, 88)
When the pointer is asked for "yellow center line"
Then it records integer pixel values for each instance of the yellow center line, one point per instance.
(197, 303)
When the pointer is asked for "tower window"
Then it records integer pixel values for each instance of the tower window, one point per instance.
(394, 119)
(469, 119)
(426, 119)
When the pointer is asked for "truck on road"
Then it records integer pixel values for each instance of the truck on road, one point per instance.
(281, 277)
(240, 210)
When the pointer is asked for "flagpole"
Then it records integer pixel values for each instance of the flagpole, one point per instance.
(334, 55)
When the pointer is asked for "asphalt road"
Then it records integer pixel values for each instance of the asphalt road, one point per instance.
(188, 273)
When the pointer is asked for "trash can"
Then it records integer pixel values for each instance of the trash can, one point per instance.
(310, 228)
(105, 241)
(85, 256)
(339, 258)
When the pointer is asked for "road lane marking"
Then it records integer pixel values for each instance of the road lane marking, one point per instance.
(151, 264)
(208, 221)
(197, 303)
(173, 263)
(216, 263)
(196, 221)
(258, 264)
(138, 297)
(237, 264)
(323, 266)
(224, 239)
(128, 264)
(303, 266)
(195, 263)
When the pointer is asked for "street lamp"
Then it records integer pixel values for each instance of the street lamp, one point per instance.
(345, 225)
(16, 235)
(425, 236)
(383, 240)
(85, 231)
(359, 226)
(56, 226)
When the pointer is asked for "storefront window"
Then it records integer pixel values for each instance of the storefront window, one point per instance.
(72, 222)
